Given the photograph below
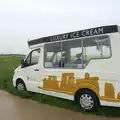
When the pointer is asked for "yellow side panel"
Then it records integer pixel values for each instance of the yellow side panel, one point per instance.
(109, 91)
(70, 85)
(51, 83)
(68, 82)
(118, 96)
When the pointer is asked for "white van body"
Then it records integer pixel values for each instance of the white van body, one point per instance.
(102, 71)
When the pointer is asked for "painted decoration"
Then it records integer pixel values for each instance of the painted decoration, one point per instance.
(70, 85)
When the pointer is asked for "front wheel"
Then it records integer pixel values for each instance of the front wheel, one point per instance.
(88, 100)
(20, 86)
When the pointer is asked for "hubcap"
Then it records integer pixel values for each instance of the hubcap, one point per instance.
(20, 86)
(86, 101)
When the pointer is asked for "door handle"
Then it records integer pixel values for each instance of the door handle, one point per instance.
(36, 69)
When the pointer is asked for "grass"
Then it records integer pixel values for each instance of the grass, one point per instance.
(7, 66)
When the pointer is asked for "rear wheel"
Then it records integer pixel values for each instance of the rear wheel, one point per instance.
(88, 100)
(20, 85)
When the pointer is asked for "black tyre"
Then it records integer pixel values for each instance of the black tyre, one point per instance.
(88, 100)
(20, 85)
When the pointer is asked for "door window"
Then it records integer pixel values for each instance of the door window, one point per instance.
(33, 58)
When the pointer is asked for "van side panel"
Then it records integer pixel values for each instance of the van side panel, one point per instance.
(107, 70)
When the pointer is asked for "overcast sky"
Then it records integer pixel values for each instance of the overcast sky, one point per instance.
(23, 19)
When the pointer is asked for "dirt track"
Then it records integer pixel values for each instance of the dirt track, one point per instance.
(15, 108)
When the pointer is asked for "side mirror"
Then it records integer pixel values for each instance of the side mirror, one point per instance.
(22, 63)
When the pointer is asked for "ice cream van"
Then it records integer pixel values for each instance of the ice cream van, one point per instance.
(82, 66)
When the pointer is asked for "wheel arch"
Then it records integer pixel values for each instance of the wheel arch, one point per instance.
(88, 89)
(20, 80)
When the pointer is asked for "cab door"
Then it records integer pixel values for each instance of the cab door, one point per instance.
(31, 70)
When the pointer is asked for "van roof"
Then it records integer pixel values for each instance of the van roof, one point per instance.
(76, 34)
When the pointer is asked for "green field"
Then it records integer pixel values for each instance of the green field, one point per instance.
(7, 66)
